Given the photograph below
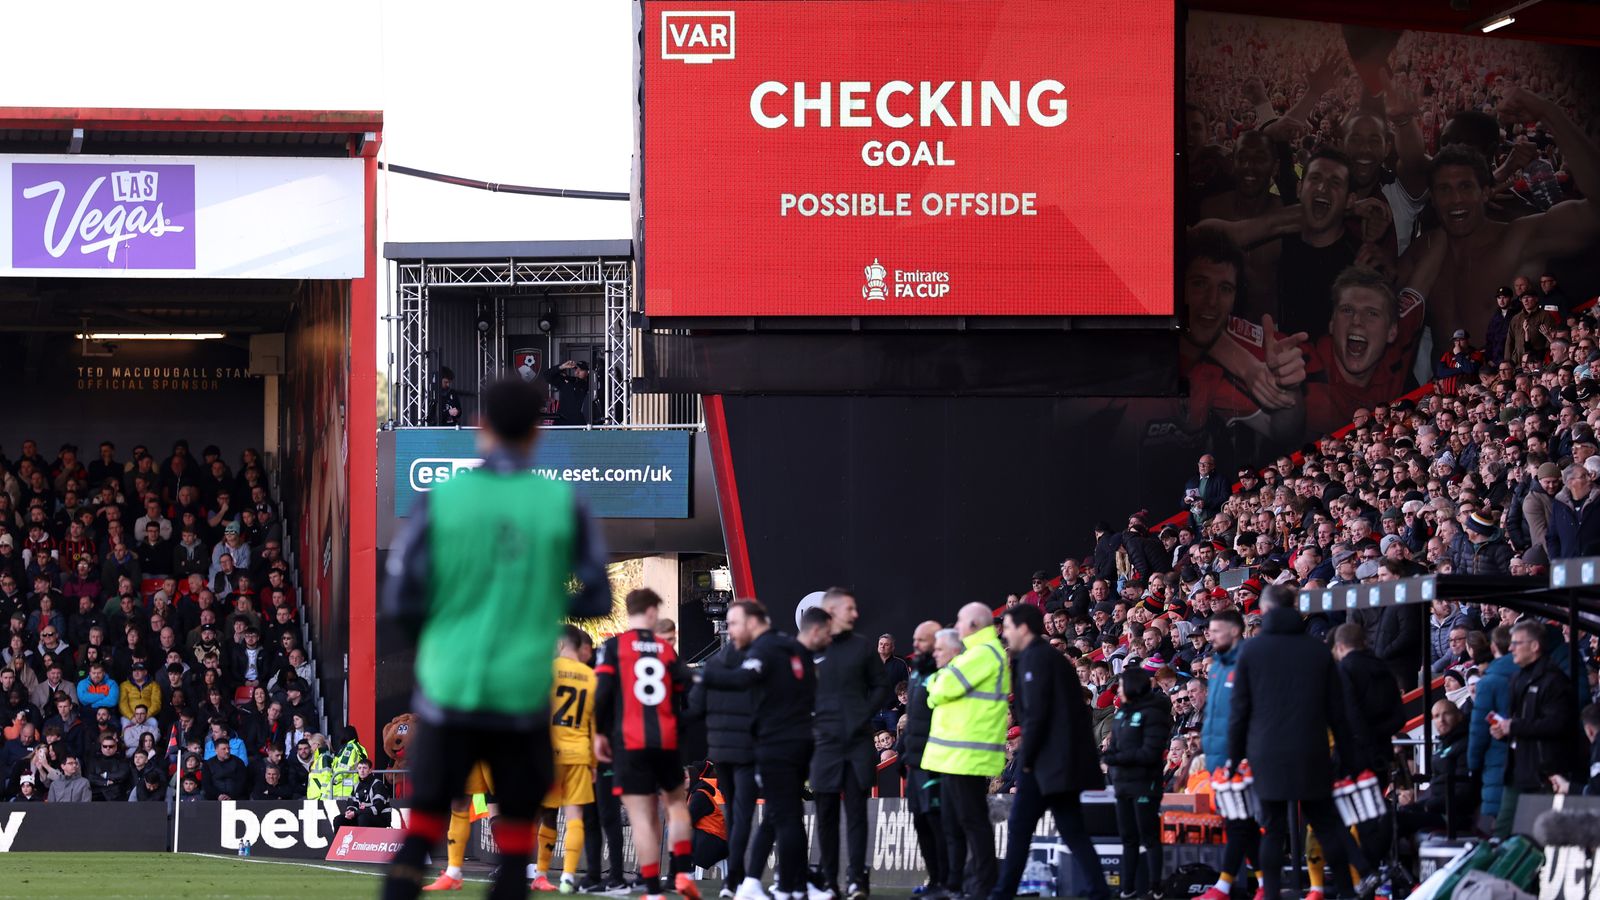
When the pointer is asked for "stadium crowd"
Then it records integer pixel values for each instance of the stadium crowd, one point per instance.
(1166, 631)
(149, 616)
(1389, 208)
(1166, 680)
(1155, 661)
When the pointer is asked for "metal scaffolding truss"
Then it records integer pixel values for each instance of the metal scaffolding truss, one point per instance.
(490, 362)
(409, 351)
(617, 405)
(411, 374)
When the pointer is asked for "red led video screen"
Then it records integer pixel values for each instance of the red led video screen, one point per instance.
(908, 158)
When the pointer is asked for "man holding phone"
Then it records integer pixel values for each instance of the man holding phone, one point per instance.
(1206, 492)
(1540, 726)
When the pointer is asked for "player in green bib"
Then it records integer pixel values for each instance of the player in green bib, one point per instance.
(480, 575)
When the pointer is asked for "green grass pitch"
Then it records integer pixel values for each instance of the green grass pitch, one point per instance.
(139, 876)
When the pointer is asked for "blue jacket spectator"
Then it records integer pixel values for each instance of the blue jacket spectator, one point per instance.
(97, 690)
(1486, 757)
(1214, 727)
(235, 745)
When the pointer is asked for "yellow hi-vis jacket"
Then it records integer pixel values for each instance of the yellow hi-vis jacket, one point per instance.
(345, 776)
(968, 698)
(319, 781)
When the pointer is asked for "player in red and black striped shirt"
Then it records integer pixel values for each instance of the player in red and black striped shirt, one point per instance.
(642, 684)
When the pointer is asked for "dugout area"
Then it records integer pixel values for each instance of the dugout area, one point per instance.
(209, 275)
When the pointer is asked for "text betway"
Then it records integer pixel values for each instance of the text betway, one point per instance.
(279, 829)
(427, 472)
(8, 830)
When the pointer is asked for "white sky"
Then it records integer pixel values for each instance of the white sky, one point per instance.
(514, 91)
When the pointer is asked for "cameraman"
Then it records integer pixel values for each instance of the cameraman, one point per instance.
(570, 386)
(446, 400)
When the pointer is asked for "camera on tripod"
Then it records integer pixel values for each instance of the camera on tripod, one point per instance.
(714, 588)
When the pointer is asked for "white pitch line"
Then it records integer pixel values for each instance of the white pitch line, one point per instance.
(306, 865)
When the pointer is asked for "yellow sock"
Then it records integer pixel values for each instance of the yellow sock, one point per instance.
(1313, 861)
(572, 846)
(547, 846)
(1225, 879)
(459, 832)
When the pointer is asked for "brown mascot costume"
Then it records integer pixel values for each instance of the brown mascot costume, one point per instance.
(396, 735)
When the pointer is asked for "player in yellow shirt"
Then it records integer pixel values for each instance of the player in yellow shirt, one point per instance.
(460, 831)
(572, 694)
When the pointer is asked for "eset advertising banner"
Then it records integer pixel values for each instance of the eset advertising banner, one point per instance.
(619, 474)
(908, 157)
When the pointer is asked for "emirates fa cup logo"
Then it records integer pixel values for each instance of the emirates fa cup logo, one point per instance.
(874, 289)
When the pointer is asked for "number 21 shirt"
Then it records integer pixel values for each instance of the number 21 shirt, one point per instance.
(572, 696)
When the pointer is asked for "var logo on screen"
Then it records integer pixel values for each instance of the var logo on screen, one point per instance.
(697, 37)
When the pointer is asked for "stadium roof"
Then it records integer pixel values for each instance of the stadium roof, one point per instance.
(197, 132)
(502, 250)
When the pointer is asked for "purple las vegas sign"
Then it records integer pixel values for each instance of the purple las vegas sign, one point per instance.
(102, 216)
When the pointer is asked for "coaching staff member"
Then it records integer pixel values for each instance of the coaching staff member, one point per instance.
(494, 706)
(779, 671)
(730, 748)
(1287, 695)
(851, 688)
(1376, 713)
(922, 787)
(967, 743)
(1057, 758)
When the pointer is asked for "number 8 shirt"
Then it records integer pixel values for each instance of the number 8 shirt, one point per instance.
(641, 680)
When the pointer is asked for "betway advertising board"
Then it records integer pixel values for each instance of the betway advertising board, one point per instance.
(619, 474)
(307, 829)
(907, 157)
(76, 827)
(180, 217)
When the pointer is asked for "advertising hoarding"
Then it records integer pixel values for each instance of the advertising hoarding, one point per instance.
(304, 829)
(180, 217)
(619, 474)
(890, 157)
(76, 827)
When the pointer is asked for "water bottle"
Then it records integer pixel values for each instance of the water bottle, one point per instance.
(1542, 184)
(1343, 800)
(244, 848)
(1226, 793)
(1037, 879)
(1368, 796)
